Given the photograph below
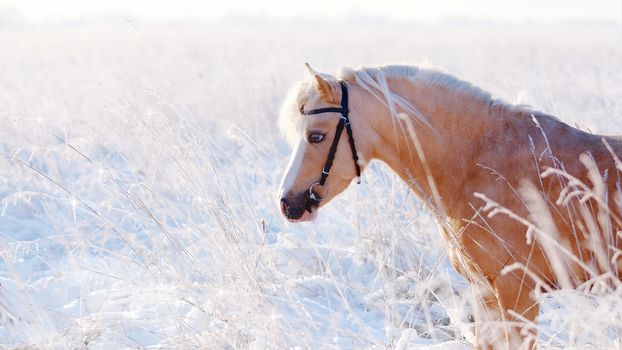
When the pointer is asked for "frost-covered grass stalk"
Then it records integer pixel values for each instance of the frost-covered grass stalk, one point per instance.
(588, 282)
(138, 173)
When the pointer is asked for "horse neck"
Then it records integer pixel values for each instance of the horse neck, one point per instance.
(436, 162)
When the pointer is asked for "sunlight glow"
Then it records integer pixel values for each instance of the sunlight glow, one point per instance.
(391, 10)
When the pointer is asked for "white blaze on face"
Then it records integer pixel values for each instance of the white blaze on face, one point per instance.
(292, 169)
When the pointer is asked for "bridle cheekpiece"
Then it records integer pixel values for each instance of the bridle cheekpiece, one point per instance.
(318, 191)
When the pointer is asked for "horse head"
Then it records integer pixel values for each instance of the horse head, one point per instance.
(316, 120)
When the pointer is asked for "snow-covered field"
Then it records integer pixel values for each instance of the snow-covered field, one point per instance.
(138, 177)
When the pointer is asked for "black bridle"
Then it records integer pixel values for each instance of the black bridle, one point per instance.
(314, 199)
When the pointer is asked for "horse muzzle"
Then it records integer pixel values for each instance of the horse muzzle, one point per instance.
(300, 207)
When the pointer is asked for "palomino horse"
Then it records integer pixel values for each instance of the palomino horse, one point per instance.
(524, 202)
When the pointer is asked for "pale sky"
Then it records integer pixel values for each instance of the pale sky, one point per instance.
(401, 10)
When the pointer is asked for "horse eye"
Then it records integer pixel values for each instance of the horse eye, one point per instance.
(315, 138)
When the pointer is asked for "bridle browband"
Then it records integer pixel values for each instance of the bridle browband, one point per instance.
(314, 199)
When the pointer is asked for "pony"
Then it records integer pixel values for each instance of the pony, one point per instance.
(524, 203)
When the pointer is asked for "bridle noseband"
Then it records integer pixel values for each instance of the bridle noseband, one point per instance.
(314, 199)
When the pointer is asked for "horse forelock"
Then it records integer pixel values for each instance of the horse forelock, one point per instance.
(289, 115)
(302, 93)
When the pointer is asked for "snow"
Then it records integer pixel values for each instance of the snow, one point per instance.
(138, 176)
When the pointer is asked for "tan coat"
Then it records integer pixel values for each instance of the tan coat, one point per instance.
(480, 156)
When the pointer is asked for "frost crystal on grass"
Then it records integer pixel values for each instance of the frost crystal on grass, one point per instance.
(138, 176)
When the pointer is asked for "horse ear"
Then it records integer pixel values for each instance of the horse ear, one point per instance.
(322, 85)
(311, 70)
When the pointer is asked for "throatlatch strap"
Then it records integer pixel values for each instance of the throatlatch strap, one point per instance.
(355, 156)
(344, 105)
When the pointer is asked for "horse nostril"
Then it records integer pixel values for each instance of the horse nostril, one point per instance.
(284, 206)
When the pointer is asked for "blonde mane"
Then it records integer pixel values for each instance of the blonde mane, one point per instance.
(428, 77)
(374, 80)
